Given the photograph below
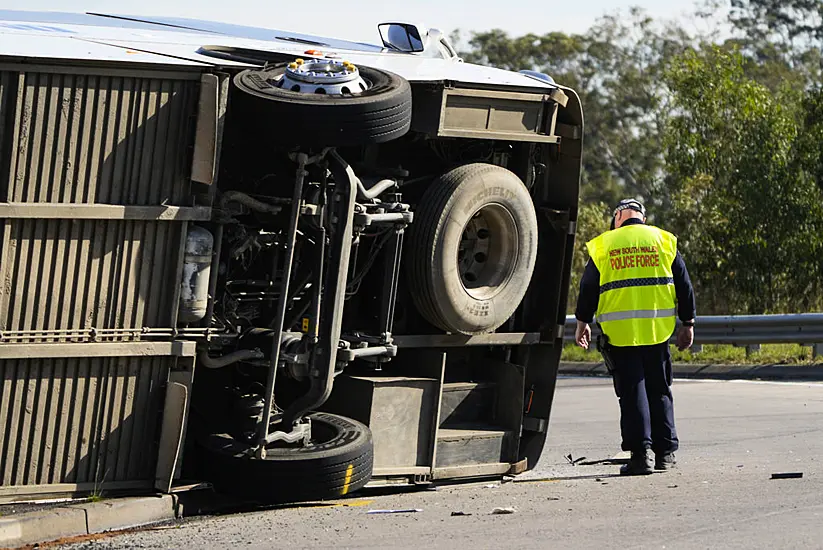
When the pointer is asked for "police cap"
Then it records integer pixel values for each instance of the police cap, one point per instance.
(630, 204)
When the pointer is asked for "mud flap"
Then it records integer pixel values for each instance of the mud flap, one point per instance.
(171, 435)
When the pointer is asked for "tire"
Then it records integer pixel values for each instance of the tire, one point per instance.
(379, 114)
(341, 464)
(462, 279)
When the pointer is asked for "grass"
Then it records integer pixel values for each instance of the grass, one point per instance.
(770, 354)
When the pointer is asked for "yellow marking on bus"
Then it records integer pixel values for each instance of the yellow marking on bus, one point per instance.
(349, 472)
(305, 324)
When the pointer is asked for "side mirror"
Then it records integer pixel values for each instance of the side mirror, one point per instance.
(403, 37)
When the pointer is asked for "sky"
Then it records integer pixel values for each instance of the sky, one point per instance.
(358, 19)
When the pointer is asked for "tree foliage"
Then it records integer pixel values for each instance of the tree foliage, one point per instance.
(779, 21)
(747, 206)
(593, 218)
(723, 139)
(616, 67)
(779, 39)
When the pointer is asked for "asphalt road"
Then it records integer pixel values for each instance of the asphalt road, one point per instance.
(734, 435)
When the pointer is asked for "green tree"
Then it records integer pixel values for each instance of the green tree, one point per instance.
(722, 141)
(592, 220)
(780, 39)
(780, 21)
(746, 204)
(810, 144)
(616, 67)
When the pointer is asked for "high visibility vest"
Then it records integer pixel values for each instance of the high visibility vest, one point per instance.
(637, 296)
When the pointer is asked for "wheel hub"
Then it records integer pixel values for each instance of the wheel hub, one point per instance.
(326, 76)
(488, 250)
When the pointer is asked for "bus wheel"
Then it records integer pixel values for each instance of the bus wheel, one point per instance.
(472, 249)
(338, 461)
(324, 103)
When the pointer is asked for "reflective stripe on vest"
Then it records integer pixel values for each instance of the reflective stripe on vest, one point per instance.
(637, 314)
(637, 298)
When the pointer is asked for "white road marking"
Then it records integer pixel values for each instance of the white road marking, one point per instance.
(808, 384)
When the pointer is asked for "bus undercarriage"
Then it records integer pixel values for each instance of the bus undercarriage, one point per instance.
(371, 286)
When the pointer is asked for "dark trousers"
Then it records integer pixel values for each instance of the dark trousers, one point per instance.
(643, 377)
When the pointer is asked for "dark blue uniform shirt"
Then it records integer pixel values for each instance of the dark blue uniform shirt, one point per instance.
(589, 295)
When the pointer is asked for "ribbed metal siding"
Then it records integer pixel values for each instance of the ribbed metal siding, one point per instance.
(80, 420)
(100, 139)
(71, 274)
(92, 139)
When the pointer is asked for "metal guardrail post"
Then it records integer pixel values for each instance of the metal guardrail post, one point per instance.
(817, 349)
(748, 331)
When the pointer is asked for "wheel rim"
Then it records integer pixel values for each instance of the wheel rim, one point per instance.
(488, 250)
(323, 77)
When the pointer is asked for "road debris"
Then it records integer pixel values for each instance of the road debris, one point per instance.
(501, 511)
(787, 475)
(537, 480)
(406, 511)
(356, 503)
(460, 514)
(491, 486)
(672, 486)
(604, 462)
(574, 461)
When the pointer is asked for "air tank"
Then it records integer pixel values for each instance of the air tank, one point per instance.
(194, 286)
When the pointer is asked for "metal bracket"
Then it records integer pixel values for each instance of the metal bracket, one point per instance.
(422, 479)
(301, 432)
(540, 425)
(365, 220)
(348, 354)
(559, 97)
(309, 209)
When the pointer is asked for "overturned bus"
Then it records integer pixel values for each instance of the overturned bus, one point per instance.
(287, 265)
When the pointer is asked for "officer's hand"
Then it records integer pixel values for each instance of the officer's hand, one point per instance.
(685, 338)
(583, 334)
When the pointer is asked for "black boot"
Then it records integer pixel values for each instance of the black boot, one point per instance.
(664, 461)
(640, 464)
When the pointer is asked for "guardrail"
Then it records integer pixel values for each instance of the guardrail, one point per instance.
(749, 331)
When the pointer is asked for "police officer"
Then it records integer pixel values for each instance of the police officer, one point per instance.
(635, 282)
